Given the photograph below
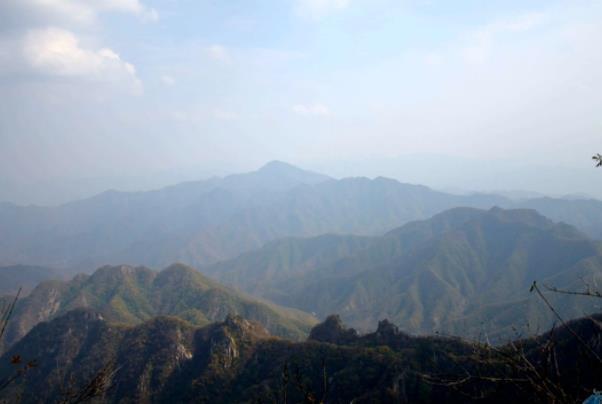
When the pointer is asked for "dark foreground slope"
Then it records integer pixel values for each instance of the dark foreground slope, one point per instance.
(464, 271)
(236, 361)
(129, 295)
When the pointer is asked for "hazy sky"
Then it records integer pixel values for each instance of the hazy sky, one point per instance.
(122, 88)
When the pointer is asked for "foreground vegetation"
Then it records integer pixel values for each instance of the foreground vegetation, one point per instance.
(169, 360)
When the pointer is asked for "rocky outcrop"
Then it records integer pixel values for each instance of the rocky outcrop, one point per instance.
(223, 343)
(333, 331)
(236, 360)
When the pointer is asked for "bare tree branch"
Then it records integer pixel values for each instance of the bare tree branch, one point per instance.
(535, 288)
(96, 387)
(588, 293)
(6, 315)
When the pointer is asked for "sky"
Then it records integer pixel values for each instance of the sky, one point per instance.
(134, 93)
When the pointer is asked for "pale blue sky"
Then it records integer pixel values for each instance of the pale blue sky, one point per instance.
(124, 88)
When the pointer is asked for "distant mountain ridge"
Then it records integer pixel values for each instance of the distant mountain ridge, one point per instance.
(465, 271)
(131, 295)
(203, 222)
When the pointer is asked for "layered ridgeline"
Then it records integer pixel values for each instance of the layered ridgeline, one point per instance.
(465, 271)
(236, 361)
(130, 295)
(203, 222)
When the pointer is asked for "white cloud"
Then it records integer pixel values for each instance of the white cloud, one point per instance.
(311, 109)
(522, 23)
(73, 11)
(126, 6)
(224, 115)
(57, 52)
(218, 53)
(168, 80)
(198, 115)
(43, 37)
(480, 48)
(433, 58)
(179, 116)
(319, 8)
(482, 40)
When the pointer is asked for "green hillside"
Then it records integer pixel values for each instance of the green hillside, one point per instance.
(465, 271)
(257, 271)
(129, 295)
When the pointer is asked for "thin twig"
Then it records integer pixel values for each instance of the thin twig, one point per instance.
(570, 292)
(535, 288)
(8, 313)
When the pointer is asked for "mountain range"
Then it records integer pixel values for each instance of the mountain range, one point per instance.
(465, 271)
(203, 222)
(81, 354)
(131, 295)
(454, 273)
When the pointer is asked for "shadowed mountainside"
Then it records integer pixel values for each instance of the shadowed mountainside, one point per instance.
(168, 360)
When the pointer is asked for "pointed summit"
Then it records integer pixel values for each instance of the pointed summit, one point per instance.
(274, 176)
(277, 168)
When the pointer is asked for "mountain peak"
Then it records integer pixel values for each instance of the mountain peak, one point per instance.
(114, 274)
(283, 168)
(180, 270)
(275, 175)
(277, 165)
(277, 168)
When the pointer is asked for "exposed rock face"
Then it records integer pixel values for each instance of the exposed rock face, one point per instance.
(334, 331)
(225, 341)
(223, 350)
(388, 334)
(236, 361)
(182, 353)
(243, 326)
(386, 329)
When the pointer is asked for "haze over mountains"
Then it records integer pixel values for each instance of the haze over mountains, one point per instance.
(204, 222)
(464, 272)
(24, 277)
(436, 239)
(288, 248)
(365, 249)
(516, 180)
